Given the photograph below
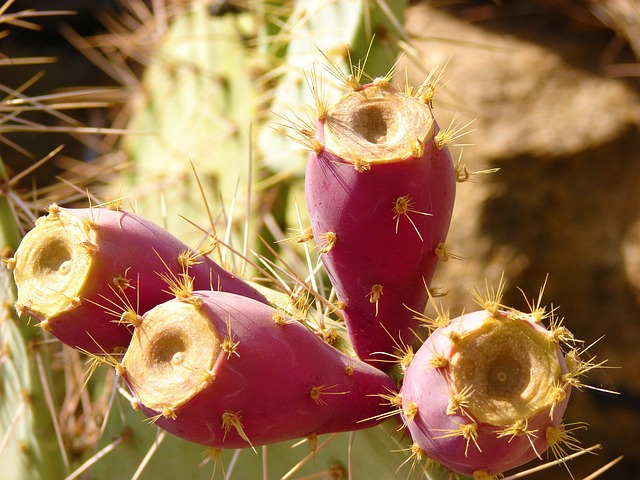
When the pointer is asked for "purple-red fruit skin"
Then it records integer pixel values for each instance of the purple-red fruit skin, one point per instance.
(427, 387)
(268, 381)
(375, 245)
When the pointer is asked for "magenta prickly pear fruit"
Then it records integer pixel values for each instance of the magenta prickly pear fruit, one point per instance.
(84, 274)
(230, 372)
(487, 392)
(380, 188)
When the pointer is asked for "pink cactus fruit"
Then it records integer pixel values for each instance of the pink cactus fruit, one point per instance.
(487, 391)
(229, 372)
(380, 188)
(84, 274)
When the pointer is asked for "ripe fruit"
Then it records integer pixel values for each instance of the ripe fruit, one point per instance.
(230, 372)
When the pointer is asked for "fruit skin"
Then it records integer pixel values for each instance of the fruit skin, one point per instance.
(435, 426)
(80, 270)
(376, 245)
(267, 379)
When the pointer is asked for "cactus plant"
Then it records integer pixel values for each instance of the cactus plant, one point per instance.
(194, 103)
(25, 420)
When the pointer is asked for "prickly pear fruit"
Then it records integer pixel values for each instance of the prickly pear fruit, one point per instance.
(84, 274)
(380, 189)
(486, 392)
(229, 372)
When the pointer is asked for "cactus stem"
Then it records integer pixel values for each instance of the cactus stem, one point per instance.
(20, 411)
